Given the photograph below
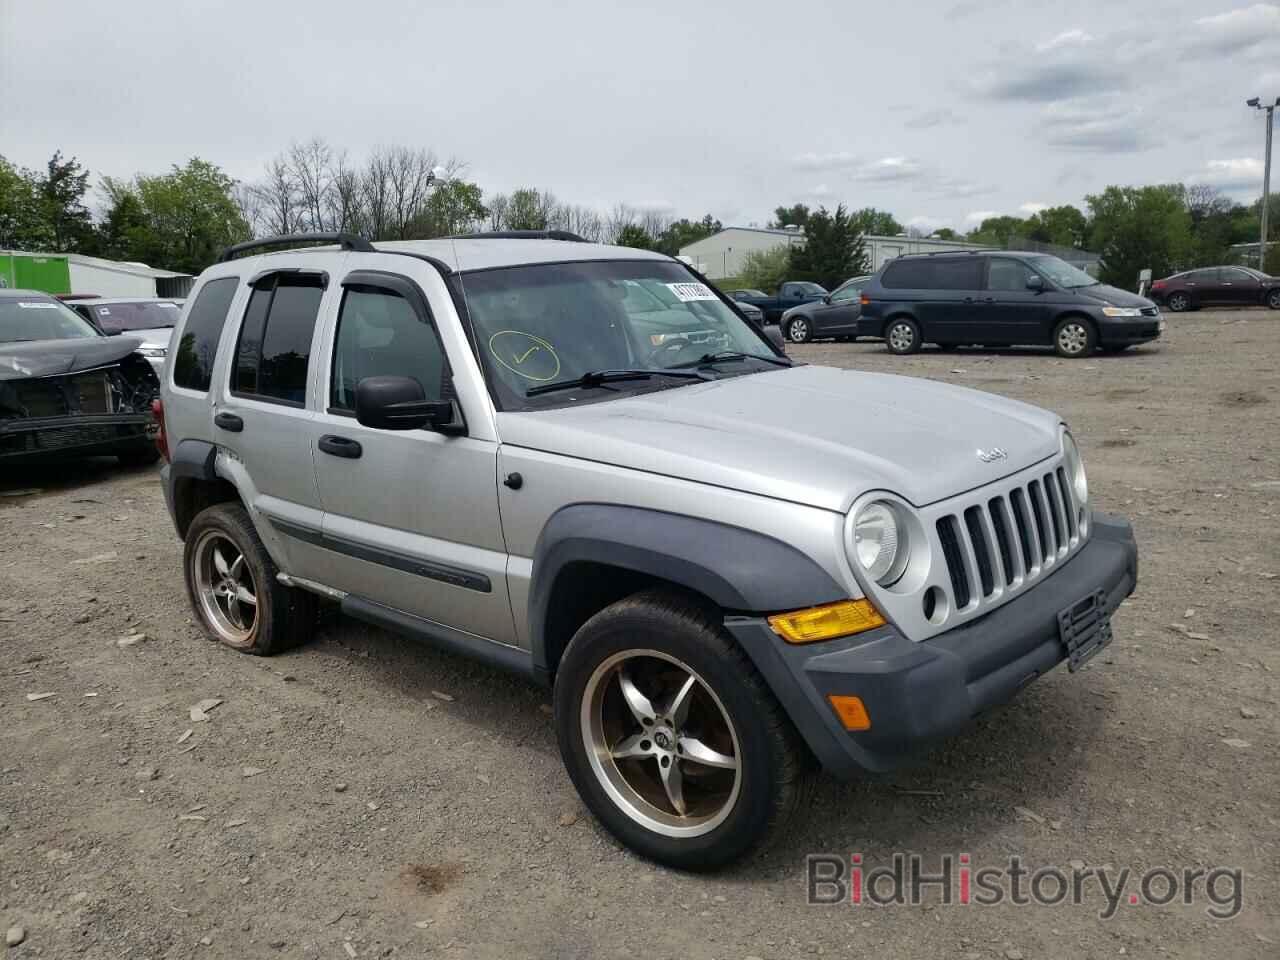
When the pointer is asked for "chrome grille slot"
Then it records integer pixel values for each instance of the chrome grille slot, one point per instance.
(949, 536)
(1040, 511)
(1026, 531)
(981, 549)
(1068, 502)
(1057, 515)
(1004, 541)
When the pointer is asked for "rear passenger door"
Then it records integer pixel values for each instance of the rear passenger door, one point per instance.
(950, 311)
(410, 516)
(260, 415)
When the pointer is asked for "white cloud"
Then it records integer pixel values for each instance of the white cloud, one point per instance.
(653, 206)
(1068, 38)
(1244, 30)
(888, 168)
(1098, 125)
(821, 191)
(1268, 86)
(1031, 207)
(1236, 174)
(824, 161)
(927, 225)
(931, 118)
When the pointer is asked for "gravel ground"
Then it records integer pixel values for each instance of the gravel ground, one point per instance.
(365, 796)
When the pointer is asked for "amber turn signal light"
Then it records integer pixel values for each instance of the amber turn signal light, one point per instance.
(851, 711)
(826, 622)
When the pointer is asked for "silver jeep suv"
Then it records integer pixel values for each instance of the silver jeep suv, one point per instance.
(581, 463)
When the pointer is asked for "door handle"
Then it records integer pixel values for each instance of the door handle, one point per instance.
(229, 421)
(340, 446)
(989, 300)
(968, 299)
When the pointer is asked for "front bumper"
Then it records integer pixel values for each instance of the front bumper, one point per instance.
(916, 692)
(84, 435)
(1115, 332)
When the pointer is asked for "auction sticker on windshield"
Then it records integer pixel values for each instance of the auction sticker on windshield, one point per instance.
(689, 292)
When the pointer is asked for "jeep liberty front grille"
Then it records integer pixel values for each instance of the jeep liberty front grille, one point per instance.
(1001, 543)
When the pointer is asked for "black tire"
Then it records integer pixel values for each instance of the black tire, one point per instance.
(1178, 301)
(1074, 338)
(141, 455)
(902, 336)
(284, 616)
(773, 764)
(799, 330)
(1273, 299)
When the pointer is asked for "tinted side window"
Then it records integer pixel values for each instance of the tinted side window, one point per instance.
(1203, 276)
(274, 350)
(908, 275)
(1006, 274)
(379, 334)
(958, 274)
(193, 360)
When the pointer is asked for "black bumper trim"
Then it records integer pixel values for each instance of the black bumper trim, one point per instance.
(916, 692)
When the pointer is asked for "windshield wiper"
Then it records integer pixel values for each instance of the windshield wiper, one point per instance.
(597, 378)
(707, 359)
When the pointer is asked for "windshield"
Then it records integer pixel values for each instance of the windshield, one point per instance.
(1062, 273)
(549, 323)
(119, 317)
(40, 318)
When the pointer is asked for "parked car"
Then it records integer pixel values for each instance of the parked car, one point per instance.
(790, 294)
(151, 320)
(68, 390)
(717, 578)
(1001, 299)
(835, 315)
(1217, 286)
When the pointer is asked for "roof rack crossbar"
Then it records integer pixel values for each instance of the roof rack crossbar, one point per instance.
(521, 235)
(347, 241)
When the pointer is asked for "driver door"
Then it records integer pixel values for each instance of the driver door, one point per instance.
(410, 516)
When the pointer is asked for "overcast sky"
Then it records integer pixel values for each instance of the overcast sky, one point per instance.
(940, 112)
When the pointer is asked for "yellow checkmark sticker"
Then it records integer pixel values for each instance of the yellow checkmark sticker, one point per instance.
(525, 356)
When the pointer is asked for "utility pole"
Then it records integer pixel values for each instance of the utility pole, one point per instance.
(1269, 110)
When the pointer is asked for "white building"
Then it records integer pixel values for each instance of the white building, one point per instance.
(114, 278)
(723, 254)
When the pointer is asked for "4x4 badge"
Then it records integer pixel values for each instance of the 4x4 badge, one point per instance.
(992, 455)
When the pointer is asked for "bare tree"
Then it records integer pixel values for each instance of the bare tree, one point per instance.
(311, 164)
(620, 217)
(277, 196)
(344, 211)
(583, 221)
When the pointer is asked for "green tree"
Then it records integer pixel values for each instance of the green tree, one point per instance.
(528, 209)
(634, 235)
(877, 223)
(1065, 225)
(684, 232)
(123, 230)
(833, 250)
(1139, 227)
(60, 197)
(21, 225)
(454, 206)
(188, 216)
(766, 269)
(946, 233)
(794, 216)
(998, 231)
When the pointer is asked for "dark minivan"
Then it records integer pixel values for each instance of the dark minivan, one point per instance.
(1001, 299)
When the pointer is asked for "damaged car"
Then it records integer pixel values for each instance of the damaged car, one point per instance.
(66, 390)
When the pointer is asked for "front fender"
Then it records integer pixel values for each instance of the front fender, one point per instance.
(739, 570)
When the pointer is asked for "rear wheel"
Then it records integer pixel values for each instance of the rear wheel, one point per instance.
(902, 336)
(1074, 337)
(232, 585)
(1178, 302)
(798, 330)
(1273, 299)
(670, 735)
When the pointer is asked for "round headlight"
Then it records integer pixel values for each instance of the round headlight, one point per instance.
(1075, 470)
(880, 542)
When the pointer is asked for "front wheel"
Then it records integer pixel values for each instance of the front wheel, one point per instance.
(902, 336)
(1074, 337)
(798, 330)
(670, 735)
(1178, 302)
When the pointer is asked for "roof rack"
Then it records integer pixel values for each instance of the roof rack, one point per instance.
(347, 241)
(521, 235)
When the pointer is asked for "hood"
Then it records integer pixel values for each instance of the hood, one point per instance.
(152, 336)
(1113, 296)
(52, 358)
(820, 436)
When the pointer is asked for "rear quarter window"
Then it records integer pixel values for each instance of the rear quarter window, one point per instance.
(198, 345)
(950, 274)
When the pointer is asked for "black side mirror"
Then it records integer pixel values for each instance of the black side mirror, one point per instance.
(400, 403)
(1035, 282)
(826, 298)
(774, 335)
